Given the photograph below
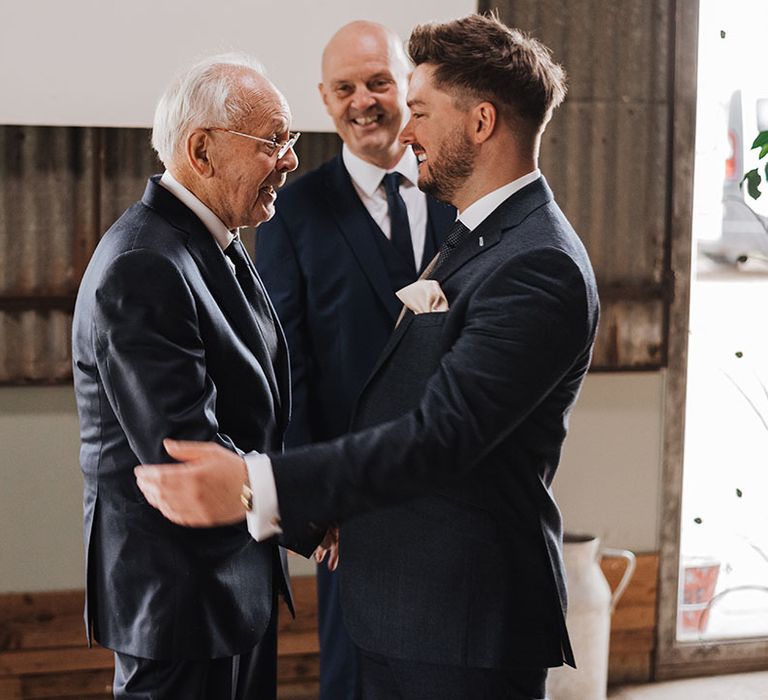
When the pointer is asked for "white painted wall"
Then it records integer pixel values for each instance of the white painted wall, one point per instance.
(105, 63)
(609, 480)
(41, 490)
(608, 484)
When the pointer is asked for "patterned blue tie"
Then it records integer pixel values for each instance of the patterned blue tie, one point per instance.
(456, 234)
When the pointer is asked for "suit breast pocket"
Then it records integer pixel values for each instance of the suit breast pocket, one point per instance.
(428, 319)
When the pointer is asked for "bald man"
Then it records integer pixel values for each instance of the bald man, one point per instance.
(343, 240)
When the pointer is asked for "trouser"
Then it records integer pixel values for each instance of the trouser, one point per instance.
(385, 678)
(250, 676)
(339, 657)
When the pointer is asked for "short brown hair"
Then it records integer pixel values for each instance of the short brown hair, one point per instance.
(478, 56)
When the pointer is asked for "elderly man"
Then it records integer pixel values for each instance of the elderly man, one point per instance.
(453, 582)
(342, 242)
(174, 335)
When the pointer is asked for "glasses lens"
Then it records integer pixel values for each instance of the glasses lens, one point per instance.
(290, 143)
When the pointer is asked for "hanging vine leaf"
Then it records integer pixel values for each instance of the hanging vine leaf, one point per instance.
(761, 142)
(738, 493)
(753, 183)
(753, 177)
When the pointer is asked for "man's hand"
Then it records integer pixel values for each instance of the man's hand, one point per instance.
(202, 491)
(329, 546)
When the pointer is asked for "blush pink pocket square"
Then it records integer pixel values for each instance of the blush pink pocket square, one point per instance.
(423, 296)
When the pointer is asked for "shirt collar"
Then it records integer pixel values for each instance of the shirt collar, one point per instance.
(368, 176)
(222, 235)
(478, 211)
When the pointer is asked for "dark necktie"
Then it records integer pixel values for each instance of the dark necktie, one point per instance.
(254, 294)
(400, 230)
(456, 234)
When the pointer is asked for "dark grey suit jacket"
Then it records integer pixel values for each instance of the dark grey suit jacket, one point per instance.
(166, 345)
(461, 563)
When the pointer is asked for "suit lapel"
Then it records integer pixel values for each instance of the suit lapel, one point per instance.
(282, 371)
(221, 283)
(227, 292)
(354, 224)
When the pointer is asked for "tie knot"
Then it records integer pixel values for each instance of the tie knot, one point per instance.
(391, 182)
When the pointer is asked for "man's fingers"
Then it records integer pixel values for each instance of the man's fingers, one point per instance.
(333, 558)
(159, 474)
(189, 450)
(147, 486)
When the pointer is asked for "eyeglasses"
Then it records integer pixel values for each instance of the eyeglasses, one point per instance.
(274, 145)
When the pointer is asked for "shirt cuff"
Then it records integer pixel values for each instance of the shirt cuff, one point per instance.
(264, 519)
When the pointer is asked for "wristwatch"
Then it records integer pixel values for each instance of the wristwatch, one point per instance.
(246, 497)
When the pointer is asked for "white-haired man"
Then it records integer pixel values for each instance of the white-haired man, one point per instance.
(174, 335)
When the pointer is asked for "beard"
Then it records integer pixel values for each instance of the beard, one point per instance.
(447, 171)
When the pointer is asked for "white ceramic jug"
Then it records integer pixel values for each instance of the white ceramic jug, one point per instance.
(590, 604)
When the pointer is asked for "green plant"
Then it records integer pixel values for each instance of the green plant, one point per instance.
(753, 177)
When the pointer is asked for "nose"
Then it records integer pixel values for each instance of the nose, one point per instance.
(288, 163)
(363, 99)
(406, 135)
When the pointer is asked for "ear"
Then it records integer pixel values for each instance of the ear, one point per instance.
(198, 152)
(323, 94)
(483, 122)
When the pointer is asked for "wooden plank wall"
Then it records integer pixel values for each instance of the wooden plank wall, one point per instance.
(633, 627)
(43, 653)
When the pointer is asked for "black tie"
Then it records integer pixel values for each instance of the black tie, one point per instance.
(400, 230)
(253, 293)
(456, 234)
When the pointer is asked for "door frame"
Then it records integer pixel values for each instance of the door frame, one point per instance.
(675, 659)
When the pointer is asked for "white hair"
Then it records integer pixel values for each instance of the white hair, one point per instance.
(205, 95)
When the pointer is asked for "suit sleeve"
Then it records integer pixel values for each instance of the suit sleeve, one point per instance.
(526, 326)
(150, 355)
(278, 264)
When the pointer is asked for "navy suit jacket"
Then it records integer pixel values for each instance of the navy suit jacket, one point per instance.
(451, 538)
(327, 279)
(165, 344)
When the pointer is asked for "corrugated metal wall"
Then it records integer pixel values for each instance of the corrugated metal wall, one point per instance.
(606, 155)
(60, 189)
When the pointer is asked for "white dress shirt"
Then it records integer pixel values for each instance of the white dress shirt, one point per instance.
(264, 518)
(213, 223)
(480, 210)
(366, 179)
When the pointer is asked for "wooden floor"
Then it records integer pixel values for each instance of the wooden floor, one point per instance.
(43, 654)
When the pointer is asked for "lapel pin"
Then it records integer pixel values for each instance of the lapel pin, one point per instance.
(481, 241)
